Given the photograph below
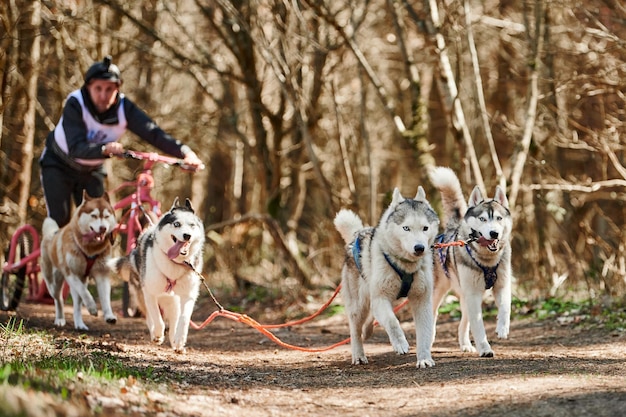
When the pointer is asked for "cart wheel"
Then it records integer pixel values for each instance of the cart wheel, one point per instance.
(12, 282)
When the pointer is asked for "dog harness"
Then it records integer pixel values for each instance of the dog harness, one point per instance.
(405, 277)
(356, 253)
(490, 273)
(443, 253)
(90, 261)
(170, 285)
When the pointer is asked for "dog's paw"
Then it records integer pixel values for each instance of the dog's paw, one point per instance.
(81, 326)
(112, 319)
(158, 340)
(401, 348)
(425, 363)
(180, 349)
(468, 348)
(361, 360)
(93, 310)
(59, 322)
(484, 349)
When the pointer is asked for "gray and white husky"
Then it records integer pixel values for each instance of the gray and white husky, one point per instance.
(164, 269)
(387, 262)
(483, 264)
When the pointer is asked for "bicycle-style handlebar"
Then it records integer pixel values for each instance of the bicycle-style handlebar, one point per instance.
(155, 157)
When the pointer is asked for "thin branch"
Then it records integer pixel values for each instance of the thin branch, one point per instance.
(481, 97)
(299, 266)
(592, 188)
(356, 50)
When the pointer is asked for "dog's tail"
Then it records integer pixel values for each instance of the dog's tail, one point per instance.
(347, 223)
(123, 267)
(49, 227)
(448, 184)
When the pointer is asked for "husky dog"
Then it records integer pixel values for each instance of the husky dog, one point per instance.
(483, 264)
(164, 271)
(387, 262)
(76, 252)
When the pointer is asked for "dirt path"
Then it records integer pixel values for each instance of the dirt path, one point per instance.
(231, 370)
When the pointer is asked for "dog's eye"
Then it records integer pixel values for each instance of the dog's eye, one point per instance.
(425, 228)
(176, 224)
(499, 218)
(406, 228)
(483, 219)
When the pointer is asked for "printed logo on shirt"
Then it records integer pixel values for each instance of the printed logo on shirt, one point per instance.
(96, 136)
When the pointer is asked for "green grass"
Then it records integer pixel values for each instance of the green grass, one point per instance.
(583, 313)
(37, 361)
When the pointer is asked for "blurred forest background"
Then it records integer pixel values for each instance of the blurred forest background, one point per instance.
(302, 107)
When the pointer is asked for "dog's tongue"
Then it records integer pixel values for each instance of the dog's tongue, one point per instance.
(91, 236)
(174, 251)
(483, 241)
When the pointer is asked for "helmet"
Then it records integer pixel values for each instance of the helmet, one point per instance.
(104, 71)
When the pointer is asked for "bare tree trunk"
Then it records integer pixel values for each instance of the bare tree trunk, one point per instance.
(5, 43)
(30, 34)
(16, 173)
(450, 93)
(417, 132)
(533, 97)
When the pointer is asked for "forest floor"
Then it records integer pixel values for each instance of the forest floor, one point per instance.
(546, 368)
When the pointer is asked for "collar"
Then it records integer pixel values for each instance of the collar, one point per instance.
(405, 277)
(490, 272)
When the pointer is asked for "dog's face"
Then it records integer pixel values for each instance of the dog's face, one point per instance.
(96, 219)
(489, 220)
(410, 226)
(181, 232)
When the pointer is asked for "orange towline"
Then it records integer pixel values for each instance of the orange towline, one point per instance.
(453, 243)
(263, 328)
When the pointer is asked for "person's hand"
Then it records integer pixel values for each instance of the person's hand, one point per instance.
(112, 148)
(192, 160)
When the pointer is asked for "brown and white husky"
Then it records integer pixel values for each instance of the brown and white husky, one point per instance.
(76, 252)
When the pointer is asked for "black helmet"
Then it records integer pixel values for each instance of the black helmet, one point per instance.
(104, 71)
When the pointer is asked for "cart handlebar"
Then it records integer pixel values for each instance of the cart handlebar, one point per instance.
(155, 157)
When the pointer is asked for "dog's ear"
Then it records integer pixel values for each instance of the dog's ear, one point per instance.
(421, 194)
(106, 197)
(397, 197)
(85, 195)
(500, 197)
(189, 205)
(174, 204)
(475, 198)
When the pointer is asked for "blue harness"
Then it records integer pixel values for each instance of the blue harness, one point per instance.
(405, 277)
